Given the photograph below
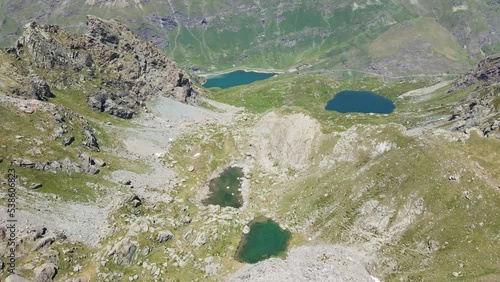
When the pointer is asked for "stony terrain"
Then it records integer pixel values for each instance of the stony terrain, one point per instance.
(130, 70)
(108, 196)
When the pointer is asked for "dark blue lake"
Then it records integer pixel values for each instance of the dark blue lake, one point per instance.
(349, 101)
(235, 78)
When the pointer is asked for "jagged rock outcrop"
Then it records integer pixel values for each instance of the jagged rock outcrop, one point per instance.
(481, 109)
(487, 71)
(124, 251)
(128, 69)
(46, 272)
(86, 164)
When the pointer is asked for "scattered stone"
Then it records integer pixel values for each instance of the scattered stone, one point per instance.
(191, 168)
(126, 182)
(39, 88)
(36, 186)
(457, 274)
(164, 236)
(467, 195)
(246, 229)
(453, 178)
(89, 140)
(68, 141)
(135, 200)
(77, 268)
(46, 272)
(99, 162)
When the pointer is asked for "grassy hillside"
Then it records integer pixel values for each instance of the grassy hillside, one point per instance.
(218, 34)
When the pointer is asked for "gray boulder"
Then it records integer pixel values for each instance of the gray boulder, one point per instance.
(123, 252)
(68, 141)
(164, 236)
(46, 272)
(89, 140)
(44, 242)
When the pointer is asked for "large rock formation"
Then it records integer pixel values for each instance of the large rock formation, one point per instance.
(481, 108)
(115, 69)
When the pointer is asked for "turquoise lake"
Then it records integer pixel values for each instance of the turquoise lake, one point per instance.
(266, 239)
(224, 189)
(349, 101)
(235, 78)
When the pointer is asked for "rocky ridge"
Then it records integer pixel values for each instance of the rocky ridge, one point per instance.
(481, 108)
(129, 70)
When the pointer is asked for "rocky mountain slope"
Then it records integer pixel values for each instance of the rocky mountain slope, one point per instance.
(113, 164)
(386, 37)
(481, 108)
(112, 67)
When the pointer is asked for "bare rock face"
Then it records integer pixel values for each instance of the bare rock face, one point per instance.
(129, 70)
(283, 142)
(46, 272)
(164, 236)
(480, 109)
(487, 71)
(124, 251)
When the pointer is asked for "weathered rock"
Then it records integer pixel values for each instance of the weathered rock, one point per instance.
(89, 139)
(68, 141)
(87, 164)
(38, 232)
(123, 252)
(39, 88)
(36, 185)
(191, 168)
(164, 236)
(126, 182)
(135, 200)
(99, 162)
(246, 229)
(479, 109)
(487, 70)
(44, 242)
(46, 272)
(130, 70)
(24, 163)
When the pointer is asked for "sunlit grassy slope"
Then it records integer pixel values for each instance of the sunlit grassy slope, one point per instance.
(278, 35)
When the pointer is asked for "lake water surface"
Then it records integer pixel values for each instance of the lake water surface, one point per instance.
(349, 101)
(225, 189)
(265, 239)
(235, 78)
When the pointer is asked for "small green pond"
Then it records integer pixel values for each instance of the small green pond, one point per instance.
(266, 239)
(225, 189)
